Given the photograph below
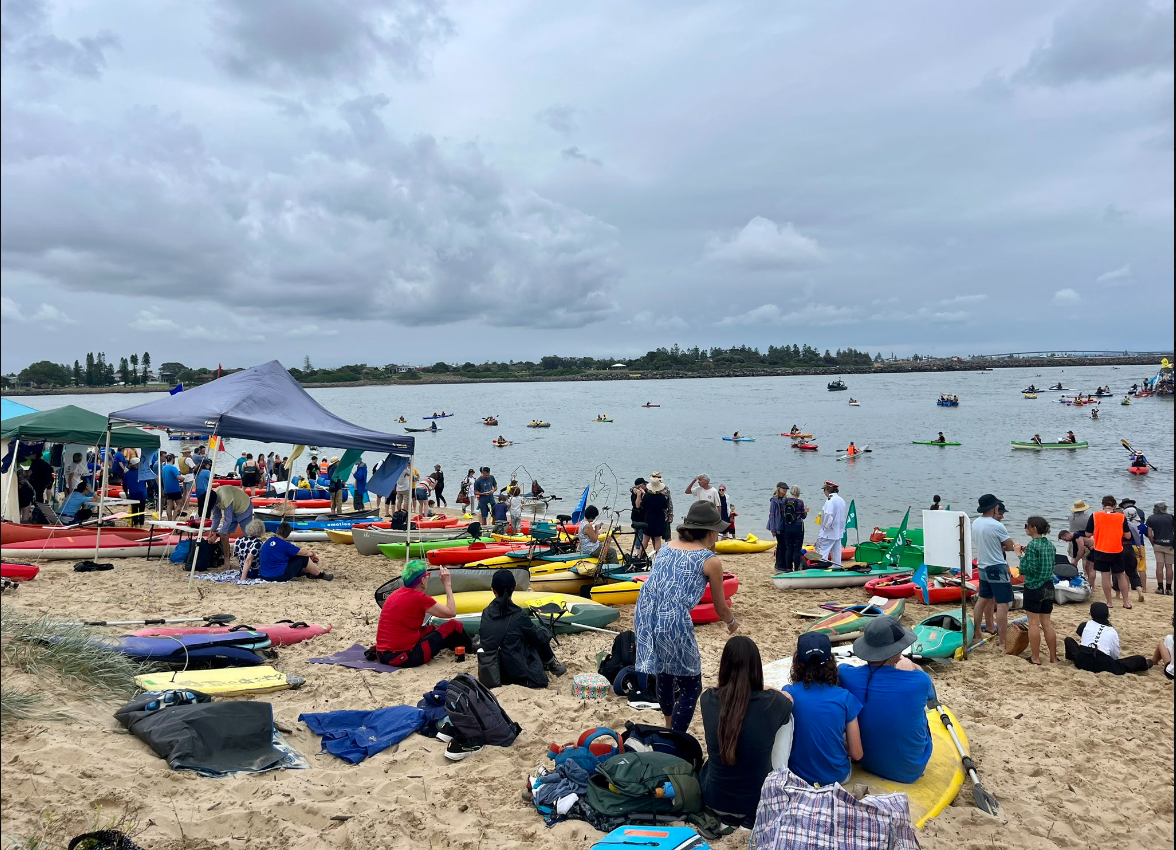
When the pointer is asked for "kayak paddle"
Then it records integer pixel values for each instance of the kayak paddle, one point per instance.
(1127, 446)
(984, 801)
(209, 620)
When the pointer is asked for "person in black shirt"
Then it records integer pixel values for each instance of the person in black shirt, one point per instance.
(439, 486)
(512, 641)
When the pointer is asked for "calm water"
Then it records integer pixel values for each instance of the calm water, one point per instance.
(683, 437)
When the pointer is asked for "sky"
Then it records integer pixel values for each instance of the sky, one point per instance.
(416, 180)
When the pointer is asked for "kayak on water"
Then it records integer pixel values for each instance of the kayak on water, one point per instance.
(502, 444)
(797, 436)
(932, 443)
(806, 447)
(1018, 444)
(438, 416)
(739, 439)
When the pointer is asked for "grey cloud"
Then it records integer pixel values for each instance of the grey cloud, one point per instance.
(559, 117)
(28, 41)
(287, 107)
(819, 315)
(327, 40)
(575, 153)
(764, 245)
(362, 226)
(1096, 41)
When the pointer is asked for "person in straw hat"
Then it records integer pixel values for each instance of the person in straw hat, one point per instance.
(654, 502)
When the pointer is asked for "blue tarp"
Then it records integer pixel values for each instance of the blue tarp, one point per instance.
(10, 408)
(355, 735)
(263, 403)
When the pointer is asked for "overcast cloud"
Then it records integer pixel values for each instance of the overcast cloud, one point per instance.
(414, 180)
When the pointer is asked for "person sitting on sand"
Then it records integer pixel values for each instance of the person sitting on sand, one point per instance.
(510, 634)
(748, 731)
(77, 507)
(401, 638)
(281, 560)
(827, 733)
(1037, 568)
(894, 694)
(1098, 649)
(1163, 655)
(247, 549)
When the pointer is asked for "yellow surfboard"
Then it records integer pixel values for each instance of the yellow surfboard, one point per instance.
(229, 682)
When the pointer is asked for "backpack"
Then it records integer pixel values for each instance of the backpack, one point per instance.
(476, 715)
(400, 520)
(632, 787)
(208, 556)
(641, 737)
(623, 654)
(790, 510)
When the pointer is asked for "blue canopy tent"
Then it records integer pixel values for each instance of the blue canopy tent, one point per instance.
(263, 403)
(10, 408)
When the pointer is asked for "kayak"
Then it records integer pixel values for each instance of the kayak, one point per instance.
(270, 501)
(1137, 470)
(1030, 395)
(805, 447)
(467, 554)
(616, 593)
(796, 436)
(739, 439)
(651, 405)
(435, 416)
(501, 445)
(939, 636)
(342, 537)
(819, 579)
(730, 587)
(932, 443)
(848, 624)
(580, 612)
(78, 548)
(948, 403)
(463, 581)
(421, 430)
(1038, 447)
(18, 572)
(602, 420)
(745, 546)
(474, 602)
(940, 591)
(11, 532)
(284, 633)
(539, 425)
(703, 614)
(848, 553)
(397, 551)
(367, 539)
(577, 580)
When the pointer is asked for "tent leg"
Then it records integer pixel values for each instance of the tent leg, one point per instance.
(199, 535)
(12, 471)
(102, 491)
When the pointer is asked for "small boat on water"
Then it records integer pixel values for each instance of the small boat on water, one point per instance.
(836, 386)
(1030, 395)
(1032, 446)
(647, 404)
(441, 415)
(490, 420)
(539, 424)
(421, 430)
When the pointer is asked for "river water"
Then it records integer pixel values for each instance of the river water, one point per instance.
(683, 437)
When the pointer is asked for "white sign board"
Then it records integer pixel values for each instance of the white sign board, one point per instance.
(941, 538)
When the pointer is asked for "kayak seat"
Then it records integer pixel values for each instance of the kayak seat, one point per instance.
(950, 622)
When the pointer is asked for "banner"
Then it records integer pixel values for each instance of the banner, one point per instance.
(850, 522)
(894, 553)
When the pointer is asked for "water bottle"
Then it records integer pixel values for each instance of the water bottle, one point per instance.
(666, 792)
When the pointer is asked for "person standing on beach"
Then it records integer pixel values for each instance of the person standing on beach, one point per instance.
(654, 501)
(1037, 567)
(1109, 530)
(484, 488)
(1159, 532)
(833, 516)
(777, 524)
(996, 582)
(439, 486)
(1135, 559)
(702, 491)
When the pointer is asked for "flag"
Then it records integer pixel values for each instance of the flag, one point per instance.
(214, 443)
(895, 552)
(218, 370)
(177, 389)
(920, 579)
(850, 522)
(578, 513)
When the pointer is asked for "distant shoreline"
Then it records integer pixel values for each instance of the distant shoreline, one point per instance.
(899, 367)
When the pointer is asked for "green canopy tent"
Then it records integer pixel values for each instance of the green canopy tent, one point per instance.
(67, 424)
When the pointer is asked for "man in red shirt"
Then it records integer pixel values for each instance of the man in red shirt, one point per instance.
(401, 638)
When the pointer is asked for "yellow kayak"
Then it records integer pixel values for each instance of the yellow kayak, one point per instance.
(617, 593)
(474, 601)
(745, 546)
(344, 537)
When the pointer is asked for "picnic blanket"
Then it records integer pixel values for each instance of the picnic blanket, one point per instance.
(353, 657)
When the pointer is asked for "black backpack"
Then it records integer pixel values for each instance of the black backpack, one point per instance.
(208, 556)
(623, 654)
(476, 716)
(641, 737)
(790, 511)
(400, 520)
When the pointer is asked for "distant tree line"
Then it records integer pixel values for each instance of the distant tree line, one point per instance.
(95, 371)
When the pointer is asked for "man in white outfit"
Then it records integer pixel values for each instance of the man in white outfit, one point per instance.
(702, 491)
(833, 515)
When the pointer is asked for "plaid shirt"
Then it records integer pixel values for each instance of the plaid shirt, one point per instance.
(1037, 564)
(793, 814)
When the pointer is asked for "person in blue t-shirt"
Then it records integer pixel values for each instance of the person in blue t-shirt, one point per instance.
(240, 463)
(173, 488)
(135, 489)
(825, 714)
(361, 478)
(77, 506)
(203, 480)
(281, 560)
(894, 695)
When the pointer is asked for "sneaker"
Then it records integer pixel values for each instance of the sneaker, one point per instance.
(456, 751)
(555, 668)
(640, 700)
(445, 732)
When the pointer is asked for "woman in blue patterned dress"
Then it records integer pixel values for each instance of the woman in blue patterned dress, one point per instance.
(666, 646)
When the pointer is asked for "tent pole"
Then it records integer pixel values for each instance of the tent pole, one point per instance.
(102, 491)
(12, 470)
(411, 498)
(199, 535)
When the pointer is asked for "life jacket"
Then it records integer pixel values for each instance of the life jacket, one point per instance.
(324, 466)
(1108, 532)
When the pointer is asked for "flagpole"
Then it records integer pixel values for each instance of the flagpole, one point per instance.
(101, 491)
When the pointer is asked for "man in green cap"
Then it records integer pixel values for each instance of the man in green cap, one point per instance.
(401, 638)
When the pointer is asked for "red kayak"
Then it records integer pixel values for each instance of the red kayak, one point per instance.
(266, 501)
(280, 634)
(704, 613)
(439, 522)
(18, 572)
(730, 588)
(79, 548)
(901, 587)
(805, 447)
(1137, 470)
(11, 532)
(468, 554)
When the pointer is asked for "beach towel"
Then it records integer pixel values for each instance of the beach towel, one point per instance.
(353, 658)
(229, 577)
(355, 735)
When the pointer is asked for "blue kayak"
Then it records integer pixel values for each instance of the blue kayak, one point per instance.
(739, 439)
(323, 525)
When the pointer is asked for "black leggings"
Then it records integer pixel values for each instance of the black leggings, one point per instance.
(678, 696)
(439, 495)
(1095, 661)
(449, 635)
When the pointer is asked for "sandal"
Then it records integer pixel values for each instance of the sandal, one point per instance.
(1034, 663)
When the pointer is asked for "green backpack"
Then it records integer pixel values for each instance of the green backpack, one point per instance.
(639, 784)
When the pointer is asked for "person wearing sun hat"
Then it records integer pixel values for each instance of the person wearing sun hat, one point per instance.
(666, 646)
(654, 501)
(401, 640)
(996, 582)
(833, 516)
(894, 694)
(1079, 514)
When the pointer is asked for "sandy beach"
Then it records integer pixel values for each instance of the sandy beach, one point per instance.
(1076, 760)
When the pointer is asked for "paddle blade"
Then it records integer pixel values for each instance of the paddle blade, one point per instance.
(219, 619)
(985, 802)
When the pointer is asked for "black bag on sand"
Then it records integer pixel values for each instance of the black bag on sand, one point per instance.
(641, 737)
(399, 520)
(476, 715)
(208, 556)
(623, 654)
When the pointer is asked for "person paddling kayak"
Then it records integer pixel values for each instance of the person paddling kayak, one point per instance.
(940, 438)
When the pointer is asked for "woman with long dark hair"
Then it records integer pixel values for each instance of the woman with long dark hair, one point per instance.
(748, 733)
(827, 735)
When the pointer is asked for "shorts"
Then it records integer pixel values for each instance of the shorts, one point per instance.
(1039, 600)
(1000, 591)
(1109, 562)
(1163, 555)
(173, 497)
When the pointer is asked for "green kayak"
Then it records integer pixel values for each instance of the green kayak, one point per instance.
(395, 551)
(939, 636)
(932, 443)
(910, 559)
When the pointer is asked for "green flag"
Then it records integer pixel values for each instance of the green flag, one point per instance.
(895, 552)
(850, 522)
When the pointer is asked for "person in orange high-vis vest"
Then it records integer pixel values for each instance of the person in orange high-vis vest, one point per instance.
(1109, 530)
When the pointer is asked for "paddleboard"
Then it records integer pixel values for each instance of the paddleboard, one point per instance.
(229, 682)
(284, 633)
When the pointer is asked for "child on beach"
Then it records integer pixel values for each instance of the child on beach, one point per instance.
(501, 511)
(516, 510)
(1037, 567)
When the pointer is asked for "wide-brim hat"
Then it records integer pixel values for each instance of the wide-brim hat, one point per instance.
(703, 516)
(1127, 503)
(883, 638)
(987, 503)
(1079, 506)
(655, 485)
